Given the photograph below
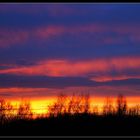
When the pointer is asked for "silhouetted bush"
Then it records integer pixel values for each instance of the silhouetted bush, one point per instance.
(134, 111)
(95, 110)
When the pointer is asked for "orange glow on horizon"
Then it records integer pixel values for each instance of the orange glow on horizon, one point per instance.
(40, 106)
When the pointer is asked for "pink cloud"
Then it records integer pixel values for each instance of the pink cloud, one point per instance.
(49, 31)
(132, 33)
(107, 77)
(80, 68)
(10, 37)
(112, 40)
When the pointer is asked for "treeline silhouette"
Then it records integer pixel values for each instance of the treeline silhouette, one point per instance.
(71, 116)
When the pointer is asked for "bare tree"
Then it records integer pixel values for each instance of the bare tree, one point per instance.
(76, 104)
(70, 105)
(9, 111)
(24, 111)
(79, 104)
(121, 105)
(59, 107)
(108, 108)
(87, 103)
(6, 110)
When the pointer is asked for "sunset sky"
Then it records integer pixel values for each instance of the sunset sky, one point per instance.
(48, 49)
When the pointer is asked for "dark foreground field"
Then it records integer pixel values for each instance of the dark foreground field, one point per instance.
(77, 125)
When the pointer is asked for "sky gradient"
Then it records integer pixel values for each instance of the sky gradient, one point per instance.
(48, 49)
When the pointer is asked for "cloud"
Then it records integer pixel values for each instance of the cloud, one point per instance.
(17, 92)
(49, 31)
(14, 81)
(57, 30)
(103, 78)
(122, 32)
(5, 94)
(105, 33)
(9, 37)
(18, 86)
(82, 68)
(42, 81)
(94, 91)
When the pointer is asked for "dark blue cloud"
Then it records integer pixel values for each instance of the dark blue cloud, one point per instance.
(58, 82)
(42, 81)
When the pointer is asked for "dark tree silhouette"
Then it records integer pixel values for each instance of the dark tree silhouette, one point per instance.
(59, 107)
(87, 104)
(70, 105)
(76, 104)
(108, 108)
(121, 105)
(24, 111)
